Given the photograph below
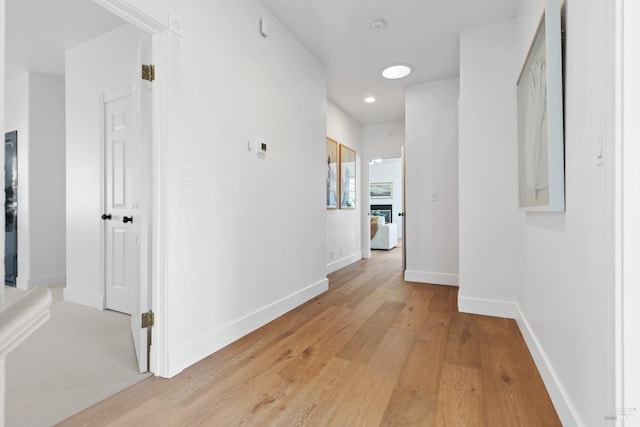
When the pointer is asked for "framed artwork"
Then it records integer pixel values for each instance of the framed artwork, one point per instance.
(347, 178)
(381, 190)
(540, 118)
(332, 174)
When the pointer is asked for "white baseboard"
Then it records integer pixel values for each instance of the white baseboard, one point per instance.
(487, 307)
(84, 298)
(559, 397)
(3, 381)
(48, 281)
(428, 277)
(343, 262)
(42, 281)
(206, 344)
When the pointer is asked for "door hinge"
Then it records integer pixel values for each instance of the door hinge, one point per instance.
(147, 319)
(148, 72)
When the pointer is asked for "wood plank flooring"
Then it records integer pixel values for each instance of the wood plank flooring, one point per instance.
(373, 351)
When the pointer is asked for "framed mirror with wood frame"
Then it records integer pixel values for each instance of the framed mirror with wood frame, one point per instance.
(347, 177)
(332, 173)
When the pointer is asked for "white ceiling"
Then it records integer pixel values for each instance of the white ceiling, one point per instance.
(424, 33)
(38, 32)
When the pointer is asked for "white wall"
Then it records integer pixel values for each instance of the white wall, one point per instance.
(16, 105)
(46, 181)
(103, 65)
(490, 223)
(383, 140)
(252, 231)
(389, 170)
(563, 293)
(565, 288)
(35, 104)
(431, 150)
(344, 230)
(248, 246)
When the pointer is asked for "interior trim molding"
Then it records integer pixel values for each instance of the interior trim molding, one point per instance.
(2, 126)
(142, 14)
(343, 262)
(559, 396)
(206, 344)
(46, 281)
(487, 307)
(430, 277)
(166, 33)
(90, 299)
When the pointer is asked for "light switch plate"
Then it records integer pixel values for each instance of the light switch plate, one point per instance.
(264, 27)
(187, 177)
(600, 151)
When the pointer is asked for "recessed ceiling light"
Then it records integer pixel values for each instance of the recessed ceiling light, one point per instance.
(397, 71)
(369, 99)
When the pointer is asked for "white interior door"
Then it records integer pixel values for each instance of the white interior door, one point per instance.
(143, 118)
(122, 234)
(127, 135)
(403, 214)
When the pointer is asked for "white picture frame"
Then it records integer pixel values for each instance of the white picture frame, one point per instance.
(540, 118)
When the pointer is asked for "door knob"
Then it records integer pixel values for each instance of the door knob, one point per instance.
(127, 219)
(401, 214)
(106, 216)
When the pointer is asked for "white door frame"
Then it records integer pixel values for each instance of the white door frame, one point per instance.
(166, 35)
(366, 196)
(2, 130)
(627, 212)
(365, 228)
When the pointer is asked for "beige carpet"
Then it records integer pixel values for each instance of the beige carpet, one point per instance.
(78, 358)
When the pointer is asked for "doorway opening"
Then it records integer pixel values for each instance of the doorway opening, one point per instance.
(386, 204)
(11, 208)
(155, 25)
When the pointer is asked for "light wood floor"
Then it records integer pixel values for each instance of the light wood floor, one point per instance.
(373, 351)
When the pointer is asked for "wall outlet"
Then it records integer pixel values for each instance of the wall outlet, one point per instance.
(340, 251)
(330, 254)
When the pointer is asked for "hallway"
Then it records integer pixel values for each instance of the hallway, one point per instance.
(373, 350)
